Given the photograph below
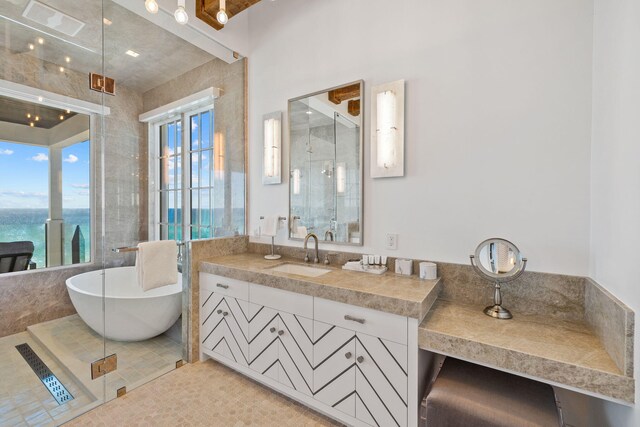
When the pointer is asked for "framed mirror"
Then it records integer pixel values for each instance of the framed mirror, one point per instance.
(325, 164)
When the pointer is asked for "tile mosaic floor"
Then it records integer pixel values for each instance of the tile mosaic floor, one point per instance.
(75, 346)
(68, 347)
(23, 398)
(202, 394)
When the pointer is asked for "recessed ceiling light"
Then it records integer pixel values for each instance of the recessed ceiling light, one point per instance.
(67, 59)
(31, 124)
(40, 40)
(106, 21)
(61, 117)
(28, 115)
(68, 111)
(132, 53)
(31, 46)
(37, 118)
(61, 69)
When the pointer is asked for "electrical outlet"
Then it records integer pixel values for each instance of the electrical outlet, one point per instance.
(392, 241)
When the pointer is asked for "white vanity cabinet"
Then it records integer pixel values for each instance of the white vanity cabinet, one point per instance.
(280, 347)
(224, 325)
(361, 374)
(347, 361)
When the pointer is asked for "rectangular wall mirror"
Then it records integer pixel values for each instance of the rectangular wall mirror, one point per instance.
(325, 164)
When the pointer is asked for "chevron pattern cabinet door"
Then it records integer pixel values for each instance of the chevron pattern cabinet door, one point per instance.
(263, 341)
(334, 377)
(381, 381)
(295, 352)
(224, 326)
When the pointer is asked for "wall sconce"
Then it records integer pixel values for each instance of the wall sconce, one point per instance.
(295, 176)
(387, 130)
(218, 155)
(341, 178)
(272, 140)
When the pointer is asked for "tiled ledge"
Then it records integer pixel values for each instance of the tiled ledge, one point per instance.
(550, 350)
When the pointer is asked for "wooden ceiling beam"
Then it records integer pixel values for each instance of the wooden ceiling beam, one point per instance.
(343, 93)
(353, 107)
(206, 10)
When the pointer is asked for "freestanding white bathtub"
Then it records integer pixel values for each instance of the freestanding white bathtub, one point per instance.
(130, 313)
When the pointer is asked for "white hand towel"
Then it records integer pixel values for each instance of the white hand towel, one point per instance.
(156, 264)
(301, 232)
(270, 226)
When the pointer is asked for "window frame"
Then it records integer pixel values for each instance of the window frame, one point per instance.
(154, 134)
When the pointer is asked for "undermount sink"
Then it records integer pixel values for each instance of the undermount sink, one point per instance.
(300, 270)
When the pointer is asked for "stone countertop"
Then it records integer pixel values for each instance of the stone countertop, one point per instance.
(403, 295)
(550, 350)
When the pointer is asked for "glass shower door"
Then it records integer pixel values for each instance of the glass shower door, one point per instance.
(143, 326)
(51, 147)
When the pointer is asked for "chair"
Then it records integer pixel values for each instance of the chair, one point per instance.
(15, 256)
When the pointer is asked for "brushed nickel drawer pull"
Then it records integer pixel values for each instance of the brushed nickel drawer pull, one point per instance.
(360, 359)
(219, 311)
(220, 285)
(348, 355)
(354, 319)
(225, 313)
(272, 329)
(281, 332)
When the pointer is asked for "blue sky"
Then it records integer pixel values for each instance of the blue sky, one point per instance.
(24, 176)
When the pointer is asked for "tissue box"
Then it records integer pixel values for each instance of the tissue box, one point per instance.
(404, 266)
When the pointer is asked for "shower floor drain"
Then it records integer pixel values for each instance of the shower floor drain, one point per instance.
(50, 381)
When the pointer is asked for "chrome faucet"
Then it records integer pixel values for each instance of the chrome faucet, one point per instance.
(306, 240)
(328, 233)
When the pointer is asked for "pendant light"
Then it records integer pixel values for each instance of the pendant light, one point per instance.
(222, 16)
(181, 14)
(151, 6)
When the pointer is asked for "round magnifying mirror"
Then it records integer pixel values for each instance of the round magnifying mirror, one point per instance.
(498, 259)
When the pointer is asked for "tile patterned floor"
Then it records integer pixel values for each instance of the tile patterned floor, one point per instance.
(76, 345)
(202, 394)
(68, 346)
(23, 398)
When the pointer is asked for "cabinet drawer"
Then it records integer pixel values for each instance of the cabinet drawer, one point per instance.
(290, 302)
(372, 322)
(224, 286)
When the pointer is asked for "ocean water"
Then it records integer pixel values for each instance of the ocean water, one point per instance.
(28, 224)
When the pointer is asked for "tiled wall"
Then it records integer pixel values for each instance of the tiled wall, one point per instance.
(40, 296)
(229, 125)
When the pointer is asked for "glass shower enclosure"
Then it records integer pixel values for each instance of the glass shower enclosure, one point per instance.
(75, 185)
(52, 228)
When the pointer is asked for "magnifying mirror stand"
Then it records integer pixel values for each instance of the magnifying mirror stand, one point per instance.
(272, 255)
(497, 310)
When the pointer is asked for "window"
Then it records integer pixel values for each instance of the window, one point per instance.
(171, 181)
(194, 177)
(45, 177)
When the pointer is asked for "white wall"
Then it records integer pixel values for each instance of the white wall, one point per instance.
(498, 117)
(615, 196)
